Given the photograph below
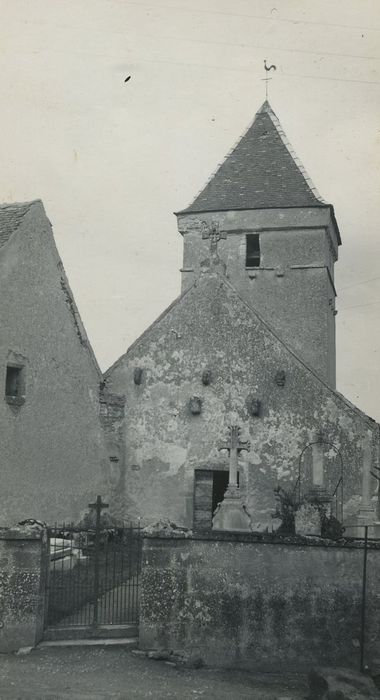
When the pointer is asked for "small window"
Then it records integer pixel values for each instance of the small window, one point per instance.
(252, 250)
(14, 384)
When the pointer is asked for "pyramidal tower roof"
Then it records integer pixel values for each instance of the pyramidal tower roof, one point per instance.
(261, 172)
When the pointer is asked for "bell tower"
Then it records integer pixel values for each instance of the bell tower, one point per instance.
(278, 240)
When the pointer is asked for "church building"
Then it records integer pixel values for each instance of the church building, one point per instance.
(250, 342)
(246, 350)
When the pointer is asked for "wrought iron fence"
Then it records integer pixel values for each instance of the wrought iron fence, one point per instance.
(93, 576)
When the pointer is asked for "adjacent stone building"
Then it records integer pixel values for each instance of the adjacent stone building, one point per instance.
(51, 438)
(251, 342)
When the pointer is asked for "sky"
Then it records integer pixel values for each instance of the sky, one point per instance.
(112, 160)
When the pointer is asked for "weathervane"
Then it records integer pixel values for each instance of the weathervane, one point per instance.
(267, 79)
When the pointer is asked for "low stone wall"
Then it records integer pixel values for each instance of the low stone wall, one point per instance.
(22, 587)
(255, 604)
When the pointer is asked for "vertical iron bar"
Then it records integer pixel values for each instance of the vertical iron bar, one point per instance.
(106, 599)
(62, 596)
(132, 614)
(87, 602)
(112, 592)
(125, 581)
(72, 591)
(139, 553)
(130, 577)
(96, 563)
(363, 607)
(122, 584)
(47, 580)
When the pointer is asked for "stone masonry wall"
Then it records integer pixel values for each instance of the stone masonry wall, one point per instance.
(258, 605)
(22, 588)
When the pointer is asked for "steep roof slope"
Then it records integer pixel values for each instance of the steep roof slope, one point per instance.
(29, 218)
(261, 171)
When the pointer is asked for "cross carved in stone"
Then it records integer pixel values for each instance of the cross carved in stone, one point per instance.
(213, 233)
(234, 445)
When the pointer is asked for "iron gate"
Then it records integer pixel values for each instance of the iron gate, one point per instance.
(93, 577)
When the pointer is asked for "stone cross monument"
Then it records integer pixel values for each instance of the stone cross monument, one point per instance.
(234, 445)
(231, 513)
(214, 235)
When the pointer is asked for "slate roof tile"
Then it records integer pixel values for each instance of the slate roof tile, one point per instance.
(11, 216)
(261, 171)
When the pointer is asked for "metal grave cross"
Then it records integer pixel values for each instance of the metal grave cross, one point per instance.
(212, 232)
(98, 506)
(234, 445)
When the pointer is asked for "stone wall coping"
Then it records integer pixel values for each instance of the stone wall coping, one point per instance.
(21, 533)
(262, 539)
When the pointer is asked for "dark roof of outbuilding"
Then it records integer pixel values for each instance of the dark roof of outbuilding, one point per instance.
(260, 172)
(11, 216)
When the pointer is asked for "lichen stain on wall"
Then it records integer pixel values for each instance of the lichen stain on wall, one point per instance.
(248, 603)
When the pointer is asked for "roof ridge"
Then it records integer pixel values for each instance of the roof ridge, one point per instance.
(15, 205)
(11, 217)
(268, 109)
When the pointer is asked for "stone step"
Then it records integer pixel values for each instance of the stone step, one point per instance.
(85, 632)
(129, 642)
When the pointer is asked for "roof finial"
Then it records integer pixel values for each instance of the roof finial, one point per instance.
(267, 79)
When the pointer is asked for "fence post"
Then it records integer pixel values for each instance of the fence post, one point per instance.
(363, 607)
(98, 506)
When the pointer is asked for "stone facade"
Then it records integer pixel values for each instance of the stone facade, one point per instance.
(166, 445)
(51, 438)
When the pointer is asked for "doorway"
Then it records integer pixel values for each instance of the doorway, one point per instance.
(209, 488)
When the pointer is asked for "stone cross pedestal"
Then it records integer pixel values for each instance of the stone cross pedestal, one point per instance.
(318, 490)
(366, 515)
(231, 513)
(307, 520)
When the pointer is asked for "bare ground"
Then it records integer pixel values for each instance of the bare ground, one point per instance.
(87, 673)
